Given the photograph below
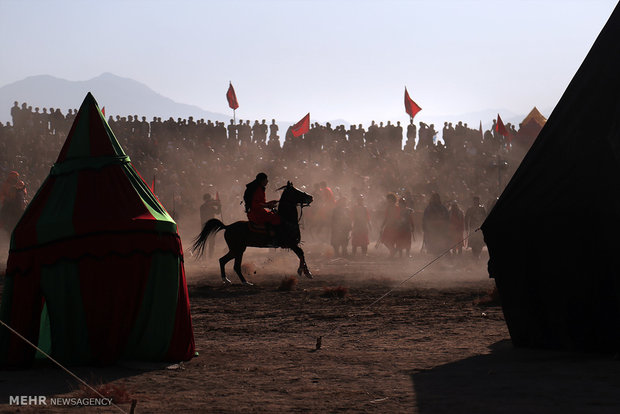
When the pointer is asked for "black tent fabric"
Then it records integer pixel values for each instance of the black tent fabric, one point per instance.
(554, 234)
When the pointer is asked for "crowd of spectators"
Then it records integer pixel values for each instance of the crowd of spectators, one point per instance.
(187, 158)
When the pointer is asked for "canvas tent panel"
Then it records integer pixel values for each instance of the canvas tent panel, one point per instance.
(83, 329)
(182, 346)
(111, 299)
(551, 265)
(60, 287)
(27, 234)
(56, 218)
(21, 310)
(164, 221)
(97, 245)
(102, 212)
(78, 147)
(90, 135)
(151, 335)
(45, 335)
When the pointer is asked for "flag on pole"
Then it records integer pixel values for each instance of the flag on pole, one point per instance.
(302, 126)
(103, 111)
(411, 107)
(501, 129)
(232, 97)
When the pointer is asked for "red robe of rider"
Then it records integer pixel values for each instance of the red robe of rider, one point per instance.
(257, 212)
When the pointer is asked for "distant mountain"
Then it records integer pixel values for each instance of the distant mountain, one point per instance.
(120, 96)
(124, 96)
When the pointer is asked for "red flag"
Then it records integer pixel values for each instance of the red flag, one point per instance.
(153, 185)
(500, 128)
(232, 97)
(217, 196)
(411, 107)
(302, 126)
(103, 111)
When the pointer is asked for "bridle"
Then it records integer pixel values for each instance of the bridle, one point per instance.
(301, 210)
(301, 204)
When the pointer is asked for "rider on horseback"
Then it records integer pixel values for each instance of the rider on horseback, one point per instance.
(256, 205)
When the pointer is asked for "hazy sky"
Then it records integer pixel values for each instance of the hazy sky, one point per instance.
(335, 59)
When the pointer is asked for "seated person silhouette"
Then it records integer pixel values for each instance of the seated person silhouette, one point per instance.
(256, 205)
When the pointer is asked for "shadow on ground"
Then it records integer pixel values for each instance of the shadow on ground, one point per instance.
(48, 380)
(512, 380)
(222, 291)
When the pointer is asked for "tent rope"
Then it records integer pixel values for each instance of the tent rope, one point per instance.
(59, 364)
(319, 338)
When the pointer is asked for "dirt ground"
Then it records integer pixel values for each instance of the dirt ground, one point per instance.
(427, 347)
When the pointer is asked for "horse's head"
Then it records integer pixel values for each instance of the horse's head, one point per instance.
(295, 195)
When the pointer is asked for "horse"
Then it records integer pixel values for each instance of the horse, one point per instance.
(239, 235)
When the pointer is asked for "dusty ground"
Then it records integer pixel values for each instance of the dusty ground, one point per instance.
(425, 348)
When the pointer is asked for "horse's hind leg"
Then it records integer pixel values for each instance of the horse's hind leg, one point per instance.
(223, 260)
(303, 267)
(237, 267)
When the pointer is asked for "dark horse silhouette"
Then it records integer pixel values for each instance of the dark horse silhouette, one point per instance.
(239, 236)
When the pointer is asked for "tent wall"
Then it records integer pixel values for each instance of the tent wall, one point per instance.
(85, 327)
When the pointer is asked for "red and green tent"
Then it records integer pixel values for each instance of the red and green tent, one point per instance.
(95, 270)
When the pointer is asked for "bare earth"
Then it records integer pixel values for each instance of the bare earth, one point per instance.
(425, 348)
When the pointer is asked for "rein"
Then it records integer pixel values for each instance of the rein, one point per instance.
(301, 209)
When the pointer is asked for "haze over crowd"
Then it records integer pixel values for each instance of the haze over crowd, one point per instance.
(377, 166)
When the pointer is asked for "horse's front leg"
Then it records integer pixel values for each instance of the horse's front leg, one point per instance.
(303, 267)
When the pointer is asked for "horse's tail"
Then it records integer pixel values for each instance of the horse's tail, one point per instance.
(211, 227)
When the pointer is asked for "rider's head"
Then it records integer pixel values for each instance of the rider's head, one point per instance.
(262, 179)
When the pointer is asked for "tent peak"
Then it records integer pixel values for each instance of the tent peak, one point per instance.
(90, 134)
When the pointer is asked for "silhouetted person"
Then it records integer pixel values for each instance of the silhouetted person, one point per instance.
(361, 227)
(389, 226)
(13, 201)
(474, 217)
(406, 228)
(255, 202)
(457, 228)
(435, 226)
(341, 227)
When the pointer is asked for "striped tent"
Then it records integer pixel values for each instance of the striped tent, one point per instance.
(95, 270)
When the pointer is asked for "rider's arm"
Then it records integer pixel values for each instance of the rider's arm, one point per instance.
(268, 204)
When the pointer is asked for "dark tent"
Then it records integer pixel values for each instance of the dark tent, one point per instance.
(555, 231)
(95, 270)
(529, 129)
